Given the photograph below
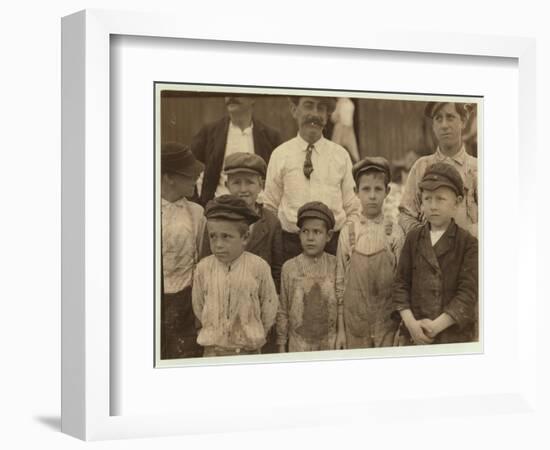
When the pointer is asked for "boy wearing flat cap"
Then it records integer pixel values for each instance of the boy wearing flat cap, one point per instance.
(435, 292)
(245, 173)
(182, 229)
(234, 296)
(307, 315)
(308, 168)
(448, 123)
(368, 252)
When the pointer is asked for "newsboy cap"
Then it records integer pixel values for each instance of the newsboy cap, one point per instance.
(178, 158)
(316, 210)
(377, 163)
(442, 174)
(245, 162)
(230, 207)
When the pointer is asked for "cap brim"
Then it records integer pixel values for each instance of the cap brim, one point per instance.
(432, 185)
(243, 169)
(314, 215)
(193, 171)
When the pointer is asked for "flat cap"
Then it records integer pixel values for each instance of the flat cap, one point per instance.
(442, 174)
(377, 163)
(230, 207)
(245, 162)
(178, 158)
(316, 210)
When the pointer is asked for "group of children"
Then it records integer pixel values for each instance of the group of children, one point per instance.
(381, 289)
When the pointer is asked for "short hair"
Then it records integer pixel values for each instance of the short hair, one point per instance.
(371, 171)
(330, 102)
(463, 109)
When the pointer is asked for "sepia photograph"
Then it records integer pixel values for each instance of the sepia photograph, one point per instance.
(309, 223)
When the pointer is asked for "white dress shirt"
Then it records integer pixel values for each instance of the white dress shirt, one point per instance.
(331, 182)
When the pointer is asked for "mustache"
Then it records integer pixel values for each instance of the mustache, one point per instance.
(313, 120)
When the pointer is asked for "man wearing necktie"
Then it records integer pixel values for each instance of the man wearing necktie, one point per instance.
(308, 168)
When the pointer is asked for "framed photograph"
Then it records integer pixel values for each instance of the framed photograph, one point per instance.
(133, 83)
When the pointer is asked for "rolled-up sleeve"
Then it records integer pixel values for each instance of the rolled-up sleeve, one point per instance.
(410, 216)
(269, 301)
(350, 202)
(273, 191)
(282, 314)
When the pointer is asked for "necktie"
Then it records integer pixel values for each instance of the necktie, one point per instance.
(308, 166)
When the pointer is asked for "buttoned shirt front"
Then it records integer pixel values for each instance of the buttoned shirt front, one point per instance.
(331, 181)
(182, 229)
(236, 303)
(466, 217)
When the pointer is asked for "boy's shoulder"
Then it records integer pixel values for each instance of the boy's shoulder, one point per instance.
(256, 261)
(269, 218)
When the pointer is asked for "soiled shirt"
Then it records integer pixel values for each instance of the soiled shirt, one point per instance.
(182, 230)
(370, 238)
(304, 280)
(411, 216)
(236, 303)
(331, 181)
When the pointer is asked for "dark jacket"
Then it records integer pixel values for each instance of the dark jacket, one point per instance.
(209, 143)
(265, 242)
(443, 278)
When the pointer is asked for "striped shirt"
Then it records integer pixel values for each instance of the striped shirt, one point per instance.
(236, 303)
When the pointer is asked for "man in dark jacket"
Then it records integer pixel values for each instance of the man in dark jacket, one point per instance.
(239, 132)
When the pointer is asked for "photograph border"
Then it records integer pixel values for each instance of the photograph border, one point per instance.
(325, 355)
(86, 194)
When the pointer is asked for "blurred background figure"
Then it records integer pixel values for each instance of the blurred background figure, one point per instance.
(399, 173)
(343, 132)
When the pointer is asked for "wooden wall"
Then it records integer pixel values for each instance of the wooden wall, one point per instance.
(388, 128)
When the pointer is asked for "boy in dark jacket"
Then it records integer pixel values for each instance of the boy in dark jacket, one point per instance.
(436, 286)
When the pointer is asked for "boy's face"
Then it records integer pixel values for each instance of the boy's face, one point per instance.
(440, 206)
(228, 239)
(372, 191)
(314, 236)
(180, 185)
(245, 185)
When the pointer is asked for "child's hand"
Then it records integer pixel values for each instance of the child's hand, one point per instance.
(428, 327)
(281, 348)
(417, 332)
(340, 343)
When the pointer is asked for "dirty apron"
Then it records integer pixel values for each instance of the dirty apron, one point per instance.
(367, 300)
(313, 311)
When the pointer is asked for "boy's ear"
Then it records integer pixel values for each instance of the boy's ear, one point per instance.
(262, 183)
(246, 236)
(388, 189)
(329, 234)
(459, 199)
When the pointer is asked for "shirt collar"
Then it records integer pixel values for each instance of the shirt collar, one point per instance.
(181, 203)
(303, 144)
(459, 157)
(377, 220)
(247, 131)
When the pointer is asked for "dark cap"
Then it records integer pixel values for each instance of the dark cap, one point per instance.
(377, 163)
(463, 109)
(442, 174)
(230, 207)
(245, 162)
(178, 158)
(316, 210)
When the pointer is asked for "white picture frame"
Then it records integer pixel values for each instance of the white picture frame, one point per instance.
(86, 221)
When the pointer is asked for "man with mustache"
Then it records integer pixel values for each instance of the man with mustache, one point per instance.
(309, 168)
(237, 132)
(448, 123)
